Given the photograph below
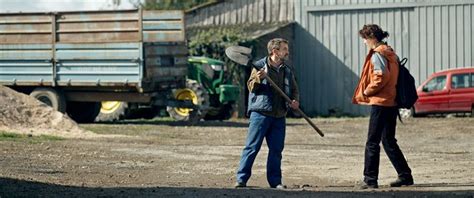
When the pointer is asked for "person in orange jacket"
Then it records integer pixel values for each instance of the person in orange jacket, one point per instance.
(377, 88)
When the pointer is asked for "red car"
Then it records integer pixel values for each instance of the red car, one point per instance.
(447, 91)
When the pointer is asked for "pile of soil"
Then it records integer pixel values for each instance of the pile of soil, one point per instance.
(20, 113)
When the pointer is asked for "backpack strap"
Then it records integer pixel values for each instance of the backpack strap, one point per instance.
(399, 116)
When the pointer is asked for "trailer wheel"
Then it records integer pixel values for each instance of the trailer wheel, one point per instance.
(50, 97)
(194, 92)
(83, 112)
(112, 111)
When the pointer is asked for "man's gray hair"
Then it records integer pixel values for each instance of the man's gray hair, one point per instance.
(275, 44)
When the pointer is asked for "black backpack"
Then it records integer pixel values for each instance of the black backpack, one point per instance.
(406, 89)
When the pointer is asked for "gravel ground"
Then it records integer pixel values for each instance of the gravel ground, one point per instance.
(165, 158)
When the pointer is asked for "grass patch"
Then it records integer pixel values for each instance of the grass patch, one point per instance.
(129, 127)
(7, 136)
(118, 129)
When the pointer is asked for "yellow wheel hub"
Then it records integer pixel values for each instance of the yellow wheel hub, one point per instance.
(110, 106)
(185, 94)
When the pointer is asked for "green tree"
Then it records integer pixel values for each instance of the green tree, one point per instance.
(212, 42)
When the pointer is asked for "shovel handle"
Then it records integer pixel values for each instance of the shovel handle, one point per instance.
(274, 85)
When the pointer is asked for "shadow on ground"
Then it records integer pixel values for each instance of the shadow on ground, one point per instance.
(179, 123)
(20, 188)
(227, 123)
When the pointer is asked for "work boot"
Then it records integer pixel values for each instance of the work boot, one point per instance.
(362, 186)
(280, 187)
(402, 182)
(240, 185)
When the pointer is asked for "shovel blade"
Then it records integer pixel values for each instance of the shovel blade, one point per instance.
(239, 54)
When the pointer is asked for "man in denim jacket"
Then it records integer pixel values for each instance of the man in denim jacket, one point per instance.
(267, 111)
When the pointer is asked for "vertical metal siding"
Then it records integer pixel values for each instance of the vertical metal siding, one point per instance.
(232, 12)
(434, 35)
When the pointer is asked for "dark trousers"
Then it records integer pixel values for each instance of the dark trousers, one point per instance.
(382, 126)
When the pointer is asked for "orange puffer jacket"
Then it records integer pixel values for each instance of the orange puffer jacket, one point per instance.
(379, 86)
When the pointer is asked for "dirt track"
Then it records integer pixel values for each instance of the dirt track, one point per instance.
(164, 158)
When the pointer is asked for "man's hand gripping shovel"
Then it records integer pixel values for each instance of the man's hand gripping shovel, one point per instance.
(242, 56)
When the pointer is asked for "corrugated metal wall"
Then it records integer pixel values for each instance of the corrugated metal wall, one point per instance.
(241, 11)
(329, 54)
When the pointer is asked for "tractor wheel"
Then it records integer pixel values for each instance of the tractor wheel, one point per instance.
(224, 112)
(112, 111)
(83, 112)
(50, 97)
(195, 92)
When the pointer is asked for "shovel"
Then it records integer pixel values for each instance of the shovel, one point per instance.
(241, 55)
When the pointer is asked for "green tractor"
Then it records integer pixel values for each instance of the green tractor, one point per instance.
(206, 85)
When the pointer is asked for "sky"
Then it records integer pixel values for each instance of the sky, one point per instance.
(61, 5)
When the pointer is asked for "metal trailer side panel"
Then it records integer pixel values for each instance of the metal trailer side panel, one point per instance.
(26, 28)
(98, 27)
(26, 64)
(104, 64)
(94, 48)
(26, 49)
(163, 26)
(165, 51)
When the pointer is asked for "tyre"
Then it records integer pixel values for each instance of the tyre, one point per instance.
(83, 112)
(50, 97)
(224, 112)
(195, 92)
(112, 111)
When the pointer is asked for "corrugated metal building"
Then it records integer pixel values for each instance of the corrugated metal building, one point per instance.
(329, 54)
(230, 12)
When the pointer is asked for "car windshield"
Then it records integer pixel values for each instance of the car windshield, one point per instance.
(435, 84)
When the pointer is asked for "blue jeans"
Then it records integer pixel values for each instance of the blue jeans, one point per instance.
(273, 130)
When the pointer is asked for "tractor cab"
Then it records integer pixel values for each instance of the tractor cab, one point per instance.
(213, 76)
(208, 71)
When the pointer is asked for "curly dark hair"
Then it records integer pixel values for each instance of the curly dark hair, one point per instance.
(371, 31)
